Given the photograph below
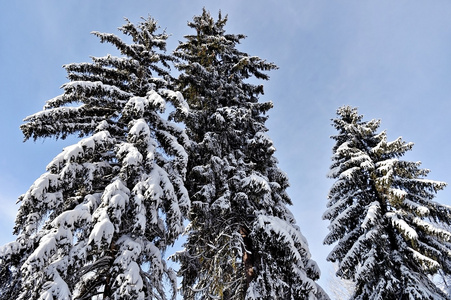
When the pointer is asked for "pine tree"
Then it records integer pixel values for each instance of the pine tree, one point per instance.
(242, 239)
(383, 218)
(99, 220)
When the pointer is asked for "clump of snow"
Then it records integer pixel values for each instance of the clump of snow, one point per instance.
(426, 262)
(347, 174)
(398, 193)
(114, 200)
(42, 185)
(256, 183)
(222, 203)
(77, 151)
(102, 232)
(130, 155)
(140, 128)
(181, 103)
(81, 213)
(262, 138)
(285, 232)
(402, 226)
(372, 214)
(442, 233)
(113, 91)
(55, 289)
(421, 210)
(386, 168)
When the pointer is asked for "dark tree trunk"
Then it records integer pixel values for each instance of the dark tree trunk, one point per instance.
(248, 256)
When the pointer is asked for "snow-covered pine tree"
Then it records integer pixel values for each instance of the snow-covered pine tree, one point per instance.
(242, 240)
(98, 221)
(382, 215)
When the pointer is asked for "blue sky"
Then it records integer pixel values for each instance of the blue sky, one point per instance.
(391, 59)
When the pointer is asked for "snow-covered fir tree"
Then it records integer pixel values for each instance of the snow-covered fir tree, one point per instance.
(242, 240)
(383, 217)
(98, 221)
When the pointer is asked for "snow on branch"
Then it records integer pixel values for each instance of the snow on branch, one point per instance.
(256, 183)
(55, 289)
(81, 213)
(97, 87)
(407, 231)
(419, 209)
(372, 214)
(129, 280)
(349, 173)
(431, 229)
(75, 152)
(103, 230)
(427, 263)
(141, 105)
(286, 233)
(107, 217)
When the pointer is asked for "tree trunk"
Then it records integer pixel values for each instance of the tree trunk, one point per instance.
(107, 292)
(248, 256)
